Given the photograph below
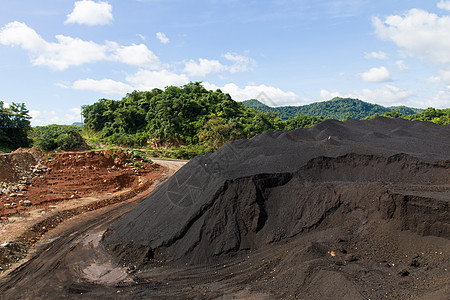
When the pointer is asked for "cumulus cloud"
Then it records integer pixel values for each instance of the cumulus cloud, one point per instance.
(135, 55)
(143, 80)
(380, 74)
(241, 63)
(203, 67)
(87, 12)
(147, 80)
(105, 86)
(162, 37)
(68, 51)
(440, 100)
(418, 33)
(45, 117)
(401, 65)
(376, 55)
(387, 95)
(443, 76)
(444, 5)
(327, 95)
(268, 94)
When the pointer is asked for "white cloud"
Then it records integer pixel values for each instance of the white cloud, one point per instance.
(147, 80)
(444, 76)
(162, 37)
(143, 80)
(142, 37)
(376, 55)
(327, 95)
(241, 63)
(387, 95)
(380, 74)
(45, 117)
(418, 33)
(68, 51)
(135, 55)
(268, 94)
(440, 100)
(105, 86)
(401, 65)
(444, 5)
(87, 12)
(203, 67)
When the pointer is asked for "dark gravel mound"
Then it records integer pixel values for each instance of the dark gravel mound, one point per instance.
(350, 180)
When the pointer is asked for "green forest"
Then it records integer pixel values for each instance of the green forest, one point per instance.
(182, 122)
(178, 116)
(336, 108)
(14, 126)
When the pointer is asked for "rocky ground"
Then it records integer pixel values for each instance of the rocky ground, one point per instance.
(40, 191)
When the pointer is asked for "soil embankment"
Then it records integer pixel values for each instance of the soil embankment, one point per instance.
(41, 191)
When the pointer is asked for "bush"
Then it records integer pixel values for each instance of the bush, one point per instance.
(45, 142)
(67, 141)
(51, 137)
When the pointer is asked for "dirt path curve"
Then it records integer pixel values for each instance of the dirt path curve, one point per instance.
(69, 254)
(172, 165)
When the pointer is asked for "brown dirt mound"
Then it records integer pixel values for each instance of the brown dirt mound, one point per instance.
(66, 176)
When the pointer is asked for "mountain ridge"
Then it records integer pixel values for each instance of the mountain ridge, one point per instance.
(336, 108)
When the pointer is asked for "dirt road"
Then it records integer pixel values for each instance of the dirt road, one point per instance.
(67, 260)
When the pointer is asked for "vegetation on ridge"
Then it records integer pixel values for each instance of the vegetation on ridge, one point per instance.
(336, 108)
(178, 122)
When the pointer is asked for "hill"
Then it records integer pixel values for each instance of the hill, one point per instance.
(336, 108)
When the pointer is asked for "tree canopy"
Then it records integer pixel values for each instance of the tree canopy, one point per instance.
(438, 116)
(336, 108)
(176, 116)
(14, 126)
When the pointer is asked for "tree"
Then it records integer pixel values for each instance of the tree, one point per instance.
(14, 126)
(216, 132)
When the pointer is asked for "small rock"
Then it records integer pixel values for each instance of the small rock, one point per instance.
(403, 273)
(350, 258)
(415, 263)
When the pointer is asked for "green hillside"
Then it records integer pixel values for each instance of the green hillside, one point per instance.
(336, 108)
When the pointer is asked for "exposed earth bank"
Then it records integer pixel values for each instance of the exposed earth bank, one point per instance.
(39, 191)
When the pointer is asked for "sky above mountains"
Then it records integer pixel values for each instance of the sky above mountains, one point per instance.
(56, 56)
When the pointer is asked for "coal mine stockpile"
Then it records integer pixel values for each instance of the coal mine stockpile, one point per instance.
(350, 209)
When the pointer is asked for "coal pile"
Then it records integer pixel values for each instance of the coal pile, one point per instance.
(341, 184)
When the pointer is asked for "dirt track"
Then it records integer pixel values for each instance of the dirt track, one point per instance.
(66, 261)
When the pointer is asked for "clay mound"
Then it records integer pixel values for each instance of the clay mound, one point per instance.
(13, 166)
(280, 185)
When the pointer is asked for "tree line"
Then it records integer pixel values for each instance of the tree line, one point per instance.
(187, 115)
(190, 119)
(336, 108)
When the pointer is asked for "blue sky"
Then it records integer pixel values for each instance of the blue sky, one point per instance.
(56, 56)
